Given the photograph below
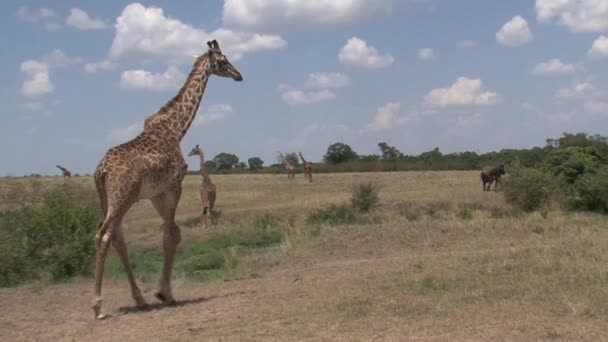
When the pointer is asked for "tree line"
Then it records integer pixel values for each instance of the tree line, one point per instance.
(341, 157)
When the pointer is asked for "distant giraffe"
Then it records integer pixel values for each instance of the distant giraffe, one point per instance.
(307, 168)
(208, 193)
(291, 170)
(66, 172)
(151, 166)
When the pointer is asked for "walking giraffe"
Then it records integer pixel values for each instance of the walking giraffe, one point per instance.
(151, 166)
(66, 172)
(307, 168)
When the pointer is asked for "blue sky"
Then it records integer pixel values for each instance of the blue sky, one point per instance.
(477, 75)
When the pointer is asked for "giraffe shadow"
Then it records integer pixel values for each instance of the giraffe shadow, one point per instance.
(129, 310)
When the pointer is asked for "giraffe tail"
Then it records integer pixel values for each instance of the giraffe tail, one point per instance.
(100, 184)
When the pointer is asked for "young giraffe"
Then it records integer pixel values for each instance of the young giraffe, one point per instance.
(291, 171)
(66, 172)
(307, 168)
(207, 187)
(151, 166)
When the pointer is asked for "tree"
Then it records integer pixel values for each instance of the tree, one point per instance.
(225, 161)
(389, 152)
(290, 157)
(339, 153)
(210, 166)
(255, 163)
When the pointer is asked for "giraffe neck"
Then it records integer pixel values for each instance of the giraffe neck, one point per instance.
(203, 166)
(177, 115)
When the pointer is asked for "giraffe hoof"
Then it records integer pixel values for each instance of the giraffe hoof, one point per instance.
(165, 300)
(101, 316)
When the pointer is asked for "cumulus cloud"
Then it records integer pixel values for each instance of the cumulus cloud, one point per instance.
(99, 66)
(281, 15)
(576, 15)
(214, 113)
(171, 79)
(121, 135)
(294, 96)
(386, 117)
(576, 91)
(45, 16)
(81, 20)
(553, 67)
(37, 80)
(58, 59)
(464, 92)
(467, 44)
(327, 80)
(147, 33)
(599, 49)
(426, 54)
(515, 32)
(356, 53)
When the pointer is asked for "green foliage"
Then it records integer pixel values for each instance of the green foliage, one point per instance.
(570, 163)
(334, 215)
(365, 196)
(225, 161)
(465, 213)
(53, 236)
(201, 260)
(263, 222)
(529, 189)
(339, 153)
(293, 158)
(388, 152)
(590, 192)
(255, 163)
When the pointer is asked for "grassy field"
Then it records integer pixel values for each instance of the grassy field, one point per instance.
(438, 260)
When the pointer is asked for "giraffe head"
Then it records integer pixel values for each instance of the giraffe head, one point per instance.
(220, 65)
(196, 151)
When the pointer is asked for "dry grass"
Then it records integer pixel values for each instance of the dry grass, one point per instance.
(446, 261)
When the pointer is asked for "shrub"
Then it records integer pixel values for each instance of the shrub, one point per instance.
(365, 197)
(53, 236)
(591, 192)
(571, 163)
(529, 189)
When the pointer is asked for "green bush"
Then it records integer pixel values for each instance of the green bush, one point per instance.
(333, 215)
(590, 192)
(571, 163)
(54, 235)
(529, 189)
(365, 197)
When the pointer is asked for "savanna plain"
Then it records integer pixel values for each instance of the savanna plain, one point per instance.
(436, 259)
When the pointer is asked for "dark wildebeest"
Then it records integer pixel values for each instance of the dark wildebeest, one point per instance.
(491, 174)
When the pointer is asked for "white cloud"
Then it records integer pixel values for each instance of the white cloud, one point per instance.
(464, 92)
(467, 44)
(121, 135)
(99, 66)
(214, 113)
(576, 15)
(597, 107)
(470, 121)
(387, 117)
(45, 16)
(357, 53)
(171, 79)
(35, 16)
(553, 67)
(33, 106)
(37, 80)
(577, 91)
(426, 54)
(515, 32)
(327, 80)
(302, 137)
(146, 33)
(81, 20)
(58, 59)
(599, 49)
(295, 96)
(280, 15)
